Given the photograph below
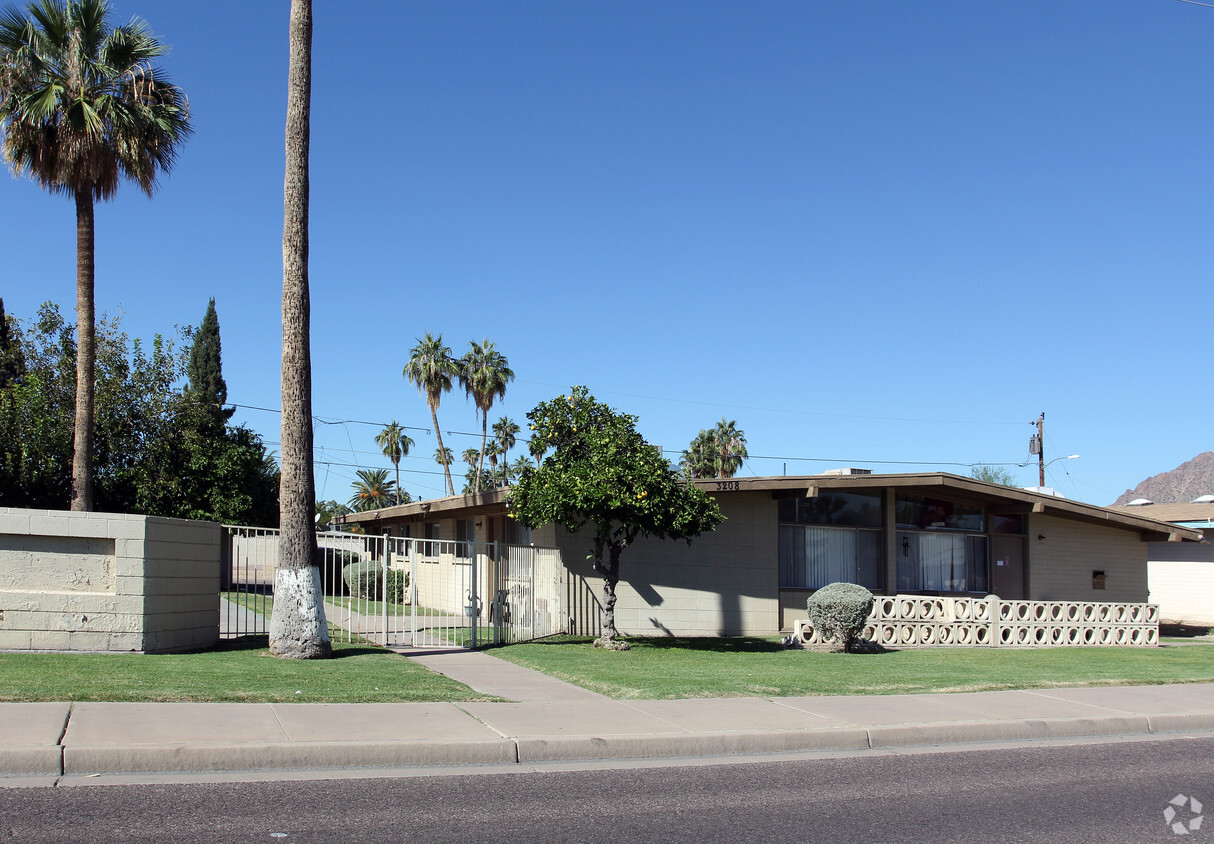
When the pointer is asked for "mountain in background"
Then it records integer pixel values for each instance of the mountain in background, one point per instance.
(1179, 486)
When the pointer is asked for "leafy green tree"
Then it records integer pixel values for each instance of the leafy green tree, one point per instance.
(993, 475)
(431, 369)
(297, 624)
(206, 385)
(395, 444)
(12, 361)
(157, 452)
(372, 490)
(83, 106)
(603, 475)
(484, 373)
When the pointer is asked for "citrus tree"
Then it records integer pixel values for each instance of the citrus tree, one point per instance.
(603, 476)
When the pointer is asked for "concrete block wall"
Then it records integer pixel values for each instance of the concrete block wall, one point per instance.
(1061, 563)
(107, 582)
(725, 583)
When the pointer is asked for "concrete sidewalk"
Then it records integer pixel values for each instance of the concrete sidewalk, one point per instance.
(552, 722)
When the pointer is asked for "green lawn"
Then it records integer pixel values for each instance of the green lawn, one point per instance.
(239, 670)
(659, 668)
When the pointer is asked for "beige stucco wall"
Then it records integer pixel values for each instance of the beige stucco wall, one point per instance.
(107, 582)
(724, 583)
(1181, 579)
(1061, 564)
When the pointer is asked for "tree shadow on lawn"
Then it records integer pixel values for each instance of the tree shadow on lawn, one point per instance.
(703, 644)
(262, 643)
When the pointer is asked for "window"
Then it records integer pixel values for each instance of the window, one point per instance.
(515, 533)
(825, 539)
(811, 557)
(915, 511)
(932, 561)
(465, 533)
(1008, 524)
(851, 509)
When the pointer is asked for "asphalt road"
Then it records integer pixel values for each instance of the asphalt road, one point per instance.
(1109, 792)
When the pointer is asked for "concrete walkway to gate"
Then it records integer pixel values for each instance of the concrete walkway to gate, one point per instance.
(546, 723)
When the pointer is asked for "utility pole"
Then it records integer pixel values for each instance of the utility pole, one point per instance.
(1036, 446)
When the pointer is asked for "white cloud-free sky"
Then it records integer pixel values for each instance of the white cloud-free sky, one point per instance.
(874, 233)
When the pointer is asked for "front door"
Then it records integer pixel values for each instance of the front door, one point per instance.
(1007, 567)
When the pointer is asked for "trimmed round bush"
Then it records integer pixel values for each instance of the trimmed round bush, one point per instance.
(366, 580)
(838, 612)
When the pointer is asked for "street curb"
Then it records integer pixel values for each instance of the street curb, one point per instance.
(581, 748)
(69, 760)
(34, 760)
(267, 756)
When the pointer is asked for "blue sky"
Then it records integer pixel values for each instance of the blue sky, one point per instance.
(874, 233)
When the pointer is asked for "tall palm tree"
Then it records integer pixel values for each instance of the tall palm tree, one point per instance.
(471, 456)
(700, 458)
(297, 623)
(372, 490)
(82, 107)
(729, 448)
(395, 444)
(536, 448)
(444, 457)
(431, 369)
(505, 434)
(484, 373)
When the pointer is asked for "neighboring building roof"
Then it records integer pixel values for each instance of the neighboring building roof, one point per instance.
(1192, 514)
(1009, 499)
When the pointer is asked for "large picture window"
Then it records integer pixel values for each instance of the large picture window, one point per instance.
(811, 557)
(941, 562)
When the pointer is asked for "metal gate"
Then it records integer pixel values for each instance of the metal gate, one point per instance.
(397, 591)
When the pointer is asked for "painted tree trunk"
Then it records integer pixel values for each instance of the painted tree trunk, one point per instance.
(86, 355)
(297, 624)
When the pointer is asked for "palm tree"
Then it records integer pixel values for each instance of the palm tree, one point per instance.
(484, 373)
(445, 457)
(471, 456)
(729, 448)
(395, 444)
(505, 434)
(699, 460)
(83, 106)
(372, 490)
(536, 448)
(431, 369)
(516, 469)
(297, 623)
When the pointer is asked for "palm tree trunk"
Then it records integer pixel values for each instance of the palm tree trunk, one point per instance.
(480, 464)
(86, 355)
(396, 463)
(442, 451)
(297, 625)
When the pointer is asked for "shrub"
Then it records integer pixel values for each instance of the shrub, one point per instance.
(838, 612)
(366, 580)
(332, 564)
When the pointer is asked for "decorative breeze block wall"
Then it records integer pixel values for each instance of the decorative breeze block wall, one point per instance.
(908, 621)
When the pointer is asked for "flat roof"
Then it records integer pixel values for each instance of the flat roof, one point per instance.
(1008, 499)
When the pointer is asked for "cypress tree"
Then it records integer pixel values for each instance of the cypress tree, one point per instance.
(205, 369)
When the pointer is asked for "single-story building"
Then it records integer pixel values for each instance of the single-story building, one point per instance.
(1181, 575)
(783, 537)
